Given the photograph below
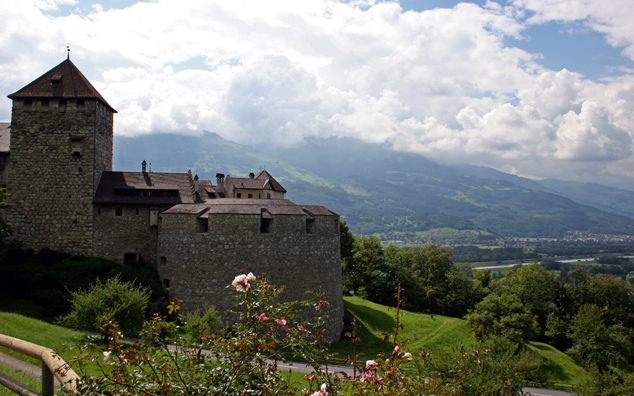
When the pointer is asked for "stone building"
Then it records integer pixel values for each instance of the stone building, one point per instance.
(65, 196)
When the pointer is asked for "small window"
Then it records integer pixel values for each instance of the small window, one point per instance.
(250, 195)
(45, 105)
(98, 210)
(62, 105)
(166, 283)
(310, 226)
(27, 104)
(80, 105)
(163, 261)
(336, 226)
(118, 212)
(266, 224)
(238, 195)
(259, 195)
(202, 225)
(268, 195)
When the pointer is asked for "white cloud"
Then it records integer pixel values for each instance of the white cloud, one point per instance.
(440, 82)
(614, 17)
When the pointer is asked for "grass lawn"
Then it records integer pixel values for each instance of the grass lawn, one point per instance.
(40, 333)
(20, 376)
(560, 367)
(421, 331)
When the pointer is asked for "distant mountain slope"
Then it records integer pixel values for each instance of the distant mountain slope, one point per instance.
(608, 199)
(375, 188)
(484, 172)
(612, 200)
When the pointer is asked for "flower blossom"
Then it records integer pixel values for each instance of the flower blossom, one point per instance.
(397, 348)
(262, 317)
(241, 282)
(322, 391)
(281, 322)
(106, 355)
(370, 364)
(407, 356)
(366, 376)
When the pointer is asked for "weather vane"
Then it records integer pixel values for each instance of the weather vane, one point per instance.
(68, 49)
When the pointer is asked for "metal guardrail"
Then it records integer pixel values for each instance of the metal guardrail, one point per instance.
(53, 367)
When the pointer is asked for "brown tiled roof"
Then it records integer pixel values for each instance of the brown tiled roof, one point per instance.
(250, 206)
(264, 175)
(112, 181)
(318, 210)
(5, 137)
(72, 84)
(186, 209)
(248, 183)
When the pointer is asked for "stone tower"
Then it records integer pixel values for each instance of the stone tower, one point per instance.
(61, 142)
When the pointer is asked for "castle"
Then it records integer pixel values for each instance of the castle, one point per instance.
(56, 162)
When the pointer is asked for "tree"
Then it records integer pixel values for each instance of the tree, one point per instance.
(503, 316)
(365, 266)
(596, 344)
(115, 300)
(534, 286)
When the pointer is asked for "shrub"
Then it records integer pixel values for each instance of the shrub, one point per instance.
(115, 300)
(201, 323)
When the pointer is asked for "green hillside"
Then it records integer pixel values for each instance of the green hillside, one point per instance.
(376, 189)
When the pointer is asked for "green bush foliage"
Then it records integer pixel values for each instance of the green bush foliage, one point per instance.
(115, 300)
(201, 323)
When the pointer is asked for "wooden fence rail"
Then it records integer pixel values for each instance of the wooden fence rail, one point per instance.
(52, 366)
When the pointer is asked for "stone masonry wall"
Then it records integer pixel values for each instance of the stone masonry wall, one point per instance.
(51, 188)
(199, 266)
(103, 143)
(115, 236)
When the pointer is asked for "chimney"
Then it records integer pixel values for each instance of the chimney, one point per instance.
(196, 183)
(220, 181)
(143, 165)
(251, 175)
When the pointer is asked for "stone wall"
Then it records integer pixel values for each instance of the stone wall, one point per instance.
(52, 173)
(130, 233)
(199, 266)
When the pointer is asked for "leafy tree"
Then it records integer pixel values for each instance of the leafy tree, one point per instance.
(606, 383)
(115, 300)
(503, 316)
(534, 286)
(613, 295)
(596, 344)
(365, 266)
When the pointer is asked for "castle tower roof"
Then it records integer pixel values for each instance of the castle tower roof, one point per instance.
(64, 81)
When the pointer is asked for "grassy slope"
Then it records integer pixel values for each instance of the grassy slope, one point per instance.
(37, 332)
(421, 331)
(437, 334)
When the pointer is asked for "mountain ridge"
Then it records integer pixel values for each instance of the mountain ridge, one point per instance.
(379, 190)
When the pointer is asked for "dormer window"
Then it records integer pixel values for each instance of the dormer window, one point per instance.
(56, 78)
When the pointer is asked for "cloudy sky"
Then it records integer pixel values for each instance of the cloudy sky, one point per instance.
(538, 88)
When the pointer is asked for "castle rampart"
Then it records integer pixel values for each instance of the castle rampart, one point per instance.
(197, 266)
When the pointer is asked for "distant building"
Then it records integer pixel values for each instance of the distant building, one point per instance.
(57, 165)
